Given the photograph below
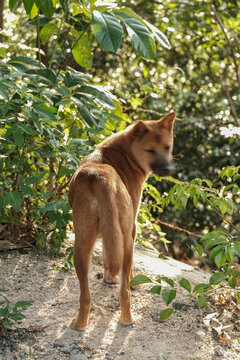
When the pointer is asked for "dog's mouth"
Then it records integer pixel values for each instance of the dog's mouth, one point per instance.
(166, 170)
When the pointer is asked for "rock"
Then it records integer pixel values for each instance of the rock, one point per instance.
(201, 334)
(78, 357)
(218, 350)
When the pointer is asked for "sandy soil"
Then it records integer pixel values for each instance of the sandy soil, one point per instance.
(54, 296)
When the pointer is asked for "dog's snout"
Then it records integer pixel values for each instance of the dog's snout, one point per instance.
(162, 167)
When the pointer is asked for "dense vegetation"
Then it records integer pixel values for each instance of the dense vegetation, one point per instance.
(73, 72)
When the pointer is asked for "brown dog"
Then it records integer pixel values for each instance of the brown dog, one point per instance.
(105, 193)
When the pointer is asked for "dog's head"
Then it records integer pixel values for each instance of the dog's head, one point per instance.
(152, 144)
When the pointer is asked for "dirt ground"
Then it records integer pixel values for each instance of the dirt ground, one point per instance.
(54, 295)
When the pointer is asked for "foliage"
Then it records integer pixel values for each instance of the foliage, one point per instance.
(10, 314)
(54, 111)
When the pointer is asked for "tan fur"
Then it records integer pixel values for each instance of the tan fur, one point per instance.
(105, 193)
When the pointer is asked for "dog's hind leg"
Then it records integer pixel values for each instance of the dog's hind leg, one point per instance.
(125, 296)
(85, 236)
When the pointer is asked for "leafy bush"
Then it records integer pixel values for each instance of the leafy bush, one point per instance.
(10, 314)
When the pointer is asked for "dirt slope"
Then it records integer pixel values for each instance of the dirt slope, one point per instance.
(54, 296)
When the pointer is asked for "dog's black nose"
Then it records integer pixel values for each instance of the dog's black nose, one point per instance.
(162, 168)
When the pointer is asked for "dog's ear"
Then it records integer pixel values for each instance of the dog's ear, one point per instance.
(139, 129)
(168, 121)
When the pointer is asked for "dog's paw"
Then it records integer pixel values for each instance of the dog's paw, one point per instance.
(75, 326)
(126, 321)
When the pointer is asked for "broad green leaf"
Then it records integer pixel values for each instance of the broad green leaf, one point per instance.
(220, 259)
(230, 253)
(41, 240)
(84, 111)
(28, 4)
(101, 95)
(36, 178)
(18, 137)
(82, 52)
(158, 35)
(185, 284)
(27, 190)
(22, 304)
(107, 30)
(219, 240)
(26, 60)
(65, 5)
(12, 4)
(201, 301)
(46, 74)
(218, 249)
(237, 247)
(165, 314)
(73, 78)
(47, 32)
(140, 279)
(198, 248)
(168, 295)
(156, 289)
(34, 12)
(3, 53)
(47, 7)
(217, 278)
(201, 288)
(140, 36)
(167, 280)
(15, 198)
(45, 113)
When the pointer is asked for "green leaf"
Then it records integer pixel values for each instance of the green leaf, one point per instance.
(102, 95)
(167, 280)
(22, 304)
(26, 60)
(218, 249)
(185, 284)
(159, 36)
(156, 289)
(36, 178)
(201, 288)
(18, 137)
(28, 4)
(237, 247)
(47, 74)
(82, 52)
(168, 295)
(15, 199)
(229, 253)
(139, 35)
(41, 240)
(165, 314)
(45, 113)
(73, 78)
(27, 190)
(65, 5)
(220, 259)
(219, 240)
(47, 7)
(201, 301)
(107, 30)
(47, 31)
(217, 278)
(198, 248)
(12, 4)
(3, 53)
(140, 279)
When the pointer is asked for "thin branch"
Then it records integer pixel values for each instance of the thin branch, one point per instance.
(175, 227)
(232, 50)
(228, 96)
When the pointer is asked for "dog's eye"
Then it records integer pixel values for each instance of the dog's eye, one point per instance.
(151, 151)
(167, 147)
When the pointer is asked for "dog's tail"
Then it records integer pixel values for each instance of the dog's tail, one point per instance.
(112, 236)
